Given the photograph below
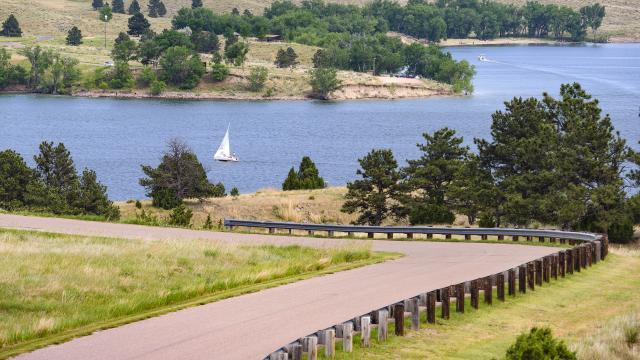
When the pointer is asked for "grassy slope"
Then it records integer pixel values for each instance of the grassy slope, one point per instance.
(54, 286)
(575, 308)
(60, 15)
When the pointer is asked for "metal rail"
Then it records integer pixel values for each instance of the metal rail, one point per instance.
(410, 230)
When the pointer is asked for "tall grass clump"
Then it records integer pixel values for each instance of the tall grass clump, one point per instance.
(619, 339)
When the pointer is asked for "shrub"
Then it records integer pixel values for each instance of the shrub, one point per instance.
(138, 204)
(165, 198)
(307, 177)
(219, 72)
(157, 87)
(621, 231)
(180, 216)
(234, 192)
(486, 221)
(539, 344)
(147, 77)
(430, 214)
(208, 224)
(257, 78)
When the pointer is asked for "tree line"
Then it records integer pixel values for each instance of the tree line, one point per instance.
(548, 162)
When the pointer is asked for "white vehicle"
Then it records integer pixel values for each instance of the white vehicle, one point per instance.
(224, 150)
(108, 63)
(482, 58)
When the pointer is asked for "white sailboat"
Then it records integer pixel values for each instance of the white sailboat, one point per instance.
(224, 150)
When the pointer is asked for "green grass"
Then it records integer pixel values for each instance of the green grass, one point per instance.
(55, 287)
(574, 307)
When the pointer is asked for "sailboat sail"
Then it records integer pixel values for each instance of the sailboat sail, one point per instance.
(224, 150)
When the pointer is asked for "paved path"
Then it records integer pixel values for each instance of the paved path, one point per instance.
(251, 326)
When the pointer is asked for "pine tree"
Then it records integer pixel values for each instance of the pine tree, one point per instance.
(11, 27)
(156, 8)
(162, 10)
(292, 181)
(118, 6)
(74, 36)
(372, 195)
(138, 24)
(97, 4)
(134, 8)
(196, 4)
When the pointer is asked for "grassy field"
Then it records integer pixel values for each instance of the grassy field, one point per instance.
(581, 309)
(53, 287)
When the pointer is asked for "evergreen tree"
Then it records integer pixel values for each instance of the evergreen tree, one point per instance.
(124, 49)
(138, 25)
(634, 174)
(208, 223)
(118, 6)
(74, 36)
(180, 175)
(286, 58)
(105, 12)
(428, 178)
(373, 195)
(196, 4)
(97, 4)
(156, 8)
(11, 27)
(134, 8)
(291, 182)
(307, 177)
(15, 176)
(93, 197)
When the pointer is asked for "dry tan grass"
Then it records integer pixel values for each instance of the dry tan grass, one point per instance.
(618, 339)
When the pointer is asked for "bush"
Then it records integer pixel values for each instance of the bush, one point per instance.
(165, 198)
(234, 192)
(208, 224)
(147, 77)
(539, 344)
(430, 214)
(180, 216)
(157, 87)
(219, 72)
(621, 231)
(138, 204)
(257, 78)
(486, 221)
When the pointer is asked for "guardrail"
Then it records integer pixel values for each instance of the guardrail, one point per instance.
(588, 249)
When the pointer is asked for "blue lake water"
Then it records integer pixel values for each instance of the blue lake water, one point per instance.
(115, 136)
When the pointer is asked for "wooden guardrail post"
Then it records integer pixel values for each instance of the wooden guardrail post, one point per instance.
(447, 236)
(460, 298)
(541, 239)
(370, 235)
(429, 236)
(329, 341)
(500, 237)
(483, 237)
(546, 269)
(500, 286)
(512, 282)
(389, 235)
(296, 351)
(383, 325)
(398, 315)
(330, 233)
(272, 230)
(475, 293)
(522, 278)
(310, 233)
(310, 346)
(598, 251)
(577, 259)
(554, 266)
(444, 305)
(365, 331)
(488, 290)
(589, 254)
(409, 235)
(538, 265)
(415, 313)
(515, 238)
(562, 263)
(570, 265)
(605, 245)
(531, 276)
(347, 336)
(431, 307)
(278, 355)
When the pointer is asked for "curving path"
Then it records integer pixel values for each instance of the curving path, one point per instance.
(253, 325)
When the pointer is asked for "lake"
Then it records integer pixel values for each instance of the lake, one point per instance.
(114, 137)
